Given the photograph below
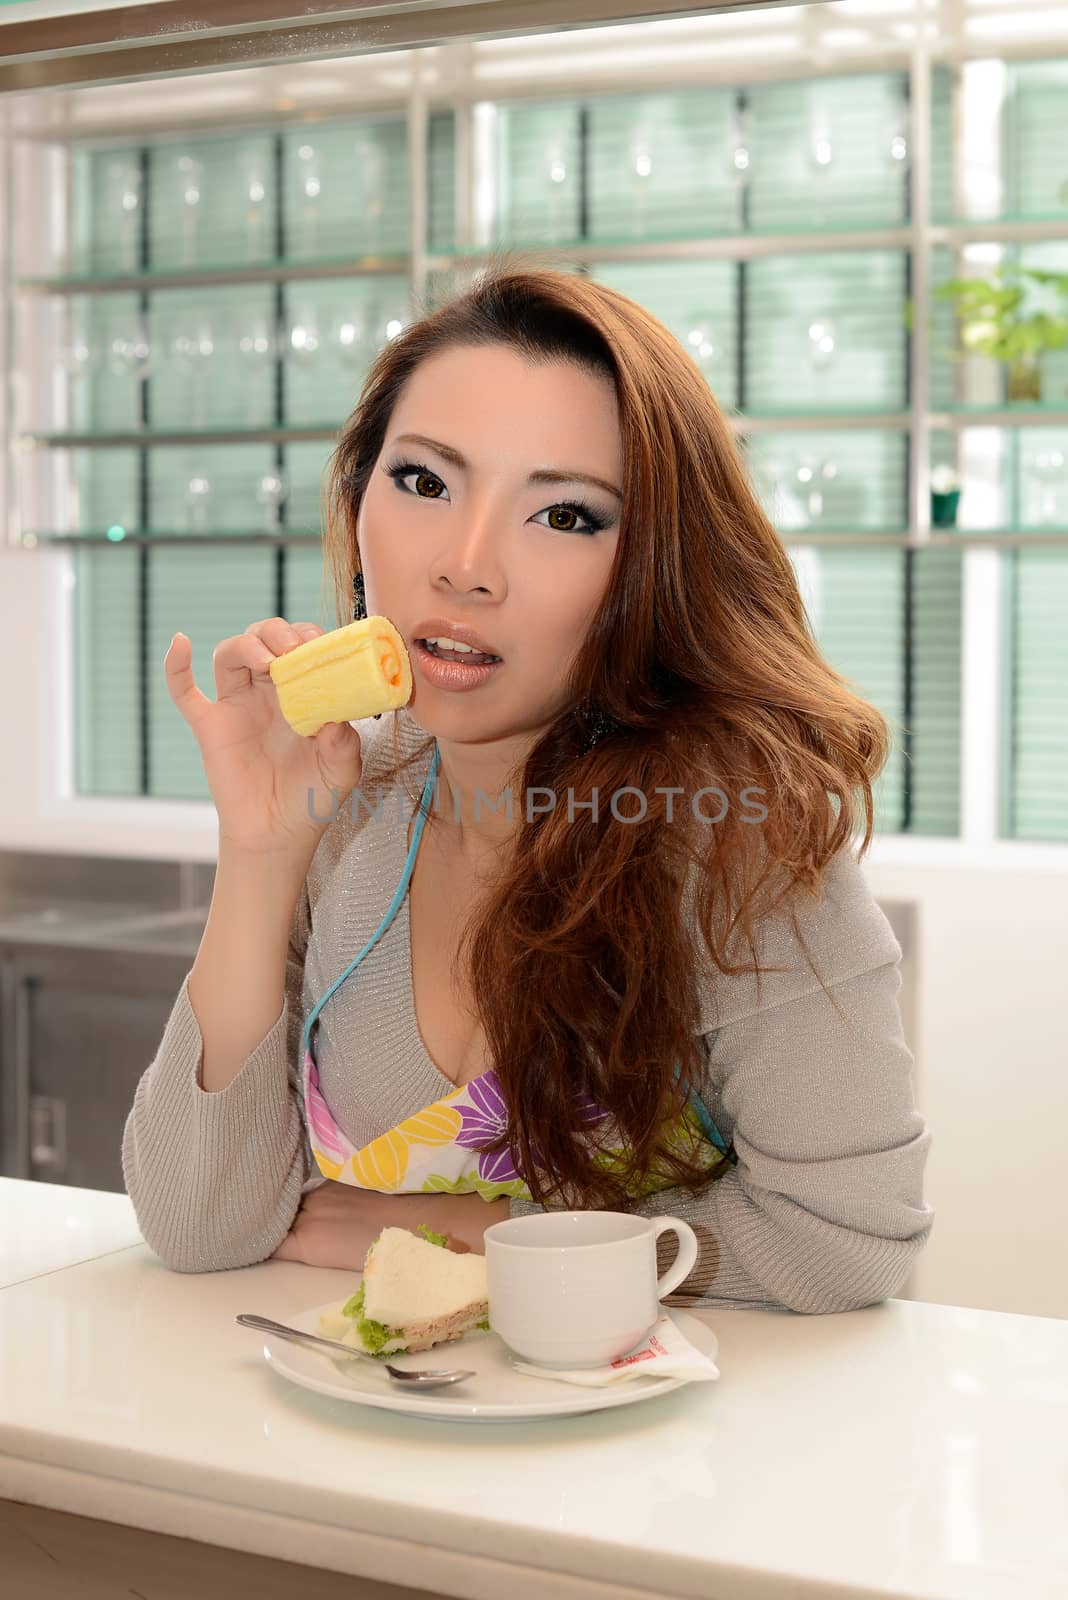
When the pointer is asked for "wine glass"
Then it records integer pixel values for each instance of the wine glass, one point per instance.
(189, 172)
(1049, 470)
(897, 148)
(257, 344)
(811, 474)
(701, 340)
(822, 343)
(369, 160)
(820, 150)
(197, 496)
(739, 154)
(79, 354)
(310, 180)
(640, 166)
(131, 352)
(776, 478)
(193, 348)
(255, 189)
(124, 203)
(348, 335)
(272, 492)
(556, 174)
(301, 336)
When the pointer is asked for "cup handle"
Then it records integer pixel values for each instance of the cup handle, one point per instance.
(686, 1259)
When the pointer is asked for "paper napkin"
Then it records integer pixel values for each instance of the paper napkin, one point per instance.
(665, 1352)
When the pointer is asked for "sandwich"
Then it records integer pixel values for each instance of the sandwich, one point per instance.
(415, 1293)
(353, 672)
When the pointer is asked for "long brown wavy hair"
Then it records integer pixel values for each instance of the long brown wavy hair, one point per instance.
(582, 961)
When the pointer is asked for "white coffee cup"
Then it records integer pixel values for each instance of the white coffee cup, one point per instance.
(579, 1288)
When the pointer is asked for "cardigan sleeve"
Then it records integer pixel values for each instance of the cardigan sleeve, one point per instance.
(824, 1210)
(216, 1179)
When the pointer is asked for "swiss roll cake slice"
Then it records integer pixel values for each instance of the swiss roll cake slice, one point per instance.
(352, 672)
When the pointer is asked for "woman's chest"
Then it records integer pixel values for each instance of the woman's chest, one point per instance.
(441, 901)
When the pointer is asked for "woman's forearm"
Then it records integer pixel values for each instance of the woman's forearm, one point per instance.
(336, 1222)
(237, 984)
(463, 1216)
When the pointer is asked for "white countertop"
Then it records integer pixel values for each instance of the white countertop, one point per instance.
(906, 1450)
(47, 1226)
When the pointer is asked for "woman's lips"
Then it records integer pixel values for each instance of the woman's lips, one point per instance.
(453, 628)
(452, 674)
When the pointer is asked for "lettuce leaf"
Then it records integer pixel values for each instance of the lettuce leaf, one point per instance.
(373, 1335)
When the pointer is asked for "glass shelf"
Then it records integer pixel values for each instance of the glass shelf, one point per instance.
(134, 438)
(1004, 538)
(874, 235)
(209, 274)
(1009, 220)
(852, 236)
(860, 231)
(900, 538)
(1046, 413)
(853, 417)
(163, 539)
(742, 422)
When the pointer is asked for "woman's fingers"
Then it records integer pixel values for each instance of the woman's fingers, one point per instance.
(181, 684)
(240, 660)
(279, 635)
(236, 662)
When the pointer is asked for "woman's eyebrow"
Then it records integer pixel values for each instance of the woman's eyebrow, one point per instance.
(542, 475)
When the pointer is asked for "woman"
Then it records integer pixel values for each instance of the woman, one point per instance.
(684, 1000)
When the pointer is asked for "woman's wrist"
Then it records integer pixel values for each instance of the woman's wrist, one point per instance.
(336, 1224)
(462, 1218)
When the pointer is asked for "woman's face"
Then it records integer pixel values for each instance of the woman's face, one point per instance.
(454, 532)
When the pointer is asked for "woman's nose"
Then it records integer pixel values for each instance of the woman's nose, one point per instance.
(473, 559)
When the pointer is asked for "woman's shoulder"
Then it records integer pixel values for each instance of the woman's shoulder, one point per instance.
(841, 927)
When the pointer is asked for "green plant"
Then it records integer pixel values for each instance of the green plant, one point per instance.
(991, 321)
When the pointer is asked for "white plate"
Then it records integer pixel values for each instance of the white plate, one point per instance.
(496, 1393)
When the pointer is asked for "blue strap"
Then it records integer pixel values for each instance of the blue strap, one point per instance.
(391, 910)
(703, 1115)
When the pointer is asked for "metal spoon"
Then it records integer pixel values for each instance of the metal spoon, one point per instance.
(428, 1378)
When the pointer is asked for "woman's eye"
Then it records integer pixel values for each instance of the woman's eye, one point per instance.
(565, 518)
(400, 475)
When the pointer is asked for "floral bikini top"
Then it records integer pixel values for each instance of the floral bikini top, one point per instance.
(436, 1151)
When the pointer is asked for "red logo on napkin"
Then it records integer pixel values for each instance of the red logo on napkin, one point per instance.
(653, 1348)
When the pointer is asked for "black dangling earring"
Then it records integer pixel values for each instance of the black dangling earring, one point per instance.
(596, 723)
(359, 611)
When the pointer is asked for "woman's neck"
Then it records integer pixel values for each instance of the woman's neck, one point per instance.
(475, 797)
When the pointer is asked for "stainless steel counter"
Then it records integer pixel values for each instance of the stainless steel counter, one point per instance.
(93, 951)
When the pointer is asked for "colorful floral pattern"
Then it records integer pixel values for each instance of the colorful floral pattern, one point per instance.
(432, 1152)
(485, 1118)
(435, 1151)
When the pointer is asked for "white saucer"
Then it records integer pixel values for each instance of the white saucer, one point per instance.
(496, 1393)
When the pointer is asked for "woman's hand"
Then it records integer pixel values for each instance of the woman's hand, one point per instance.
(336, 1222)
(259, 771)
